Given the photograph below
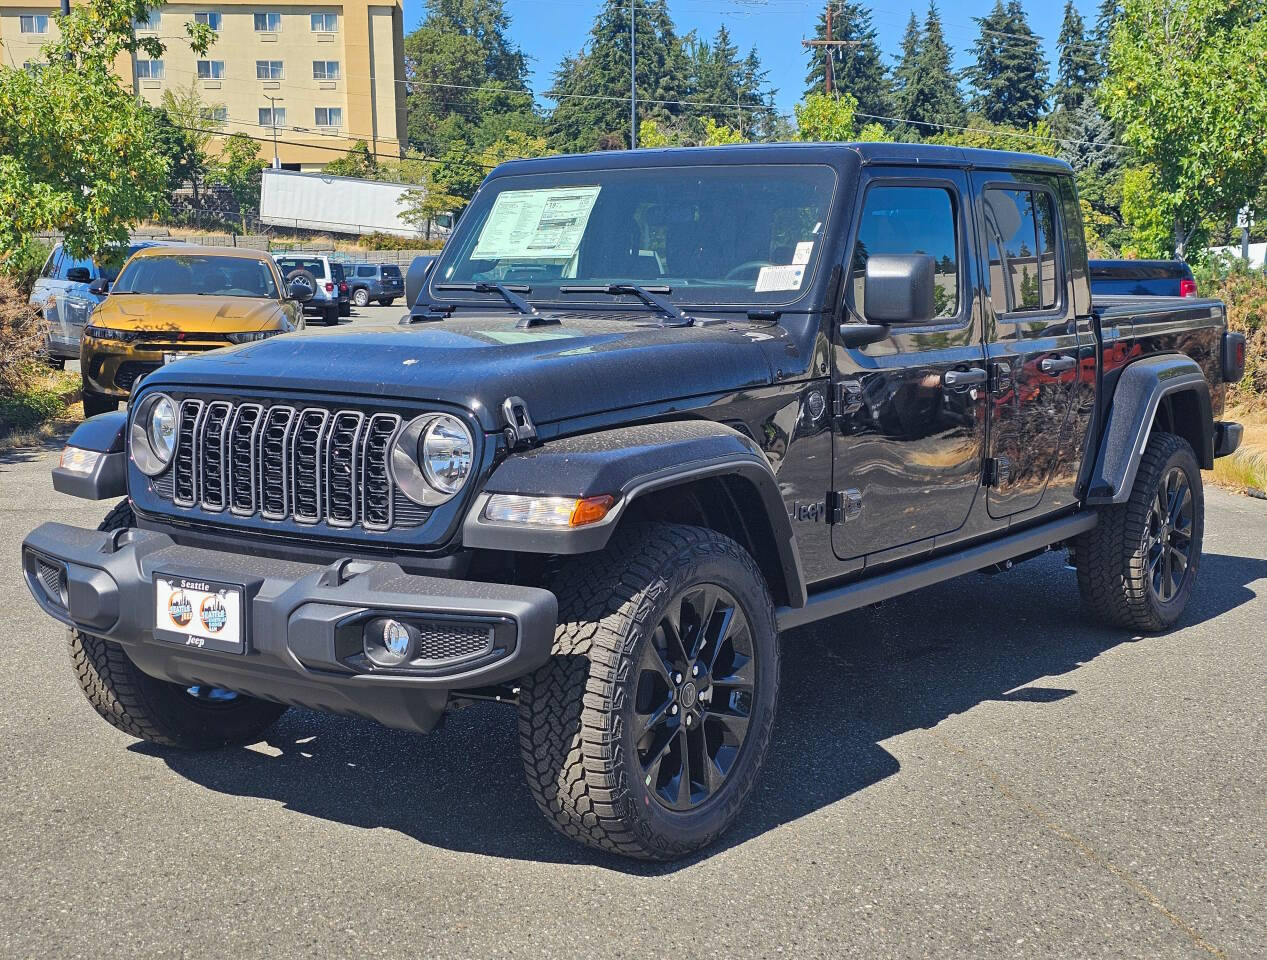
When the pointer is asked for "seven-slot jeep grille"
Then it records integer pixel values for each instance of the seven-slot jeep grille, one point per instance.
(309, 464)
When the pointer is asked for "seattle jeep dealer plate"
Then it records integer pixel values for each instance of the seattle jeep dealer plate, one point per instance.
(198, 613)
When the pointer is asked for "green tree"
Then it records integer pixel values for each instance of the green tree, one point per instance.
(927, 93)
(186, 109)
(1097, 164)
(1009, 72)
(1105, 20)
(486, 22)
(239, 169)
(824, 119)
(185, 161)
(857, 69)
(1077, 70)
(579, 123)
(357, 162)
(78, 154)
(1187, 88)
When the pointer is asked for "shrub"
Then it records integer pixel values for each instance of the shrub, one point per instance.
(21, 338)
(24, 265)
(1245, 293)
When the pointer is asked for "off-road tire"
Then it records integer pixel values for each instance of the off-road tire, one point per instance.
(155, 710)
(331, 315)
(361, 297)
(1112, 557)
(96, 404)
(345, 309)
(575, 735)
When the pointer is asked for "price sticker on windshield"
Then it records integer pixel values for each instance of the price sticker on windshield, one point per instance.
(787, 277)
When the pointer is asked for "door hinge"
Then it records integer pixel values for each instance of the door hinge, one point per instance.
(848, 398)
(998, 472)
(520, 430)
(1000, 377)
(843, 505)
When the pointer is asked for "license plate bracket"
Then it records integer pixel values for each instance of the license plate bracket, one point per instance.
(206, 614)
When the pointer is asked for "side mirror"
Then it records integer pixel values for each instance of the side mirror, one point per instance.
(299, 289)
(100, 286)
(78, 274)
(898, 288)
(416, 276)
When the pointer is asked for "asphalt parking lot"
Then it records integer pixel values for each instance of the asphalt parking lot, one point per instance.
(974, 771)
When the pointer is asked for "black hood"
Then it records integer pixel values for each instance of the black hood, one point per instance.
(584, 365)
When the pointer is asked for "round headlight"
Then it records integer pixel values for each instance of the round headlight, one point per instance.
(432, 457)
(446, 453)
(162, 428)
(152, 437)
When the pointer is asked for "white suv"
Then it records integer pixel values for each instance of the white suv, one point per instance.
(331, 293)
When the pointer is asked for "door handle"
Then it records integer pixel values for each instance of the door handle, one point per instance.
(1057, 364)
(964, 378)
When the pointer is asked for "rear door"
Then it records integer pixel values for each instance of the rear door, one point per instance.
(911, 408)
(1032, 342)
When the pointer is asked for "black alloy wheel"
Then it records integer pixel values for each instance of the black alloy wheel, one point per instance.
(696, 687)
(1170, 529)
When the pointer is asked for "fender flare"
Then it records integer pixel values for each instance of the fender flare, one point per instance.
(1140, 389)
(628, 463)
(108, 479)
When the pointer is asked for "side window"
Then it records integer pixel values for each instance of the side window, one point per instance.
(365, 271)
(1021, 246)
(902, 220)
(50, 268)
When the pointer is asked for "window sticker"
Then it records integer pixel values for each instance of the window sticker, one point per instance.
(803, 251)
(536, 224)
(780, 278)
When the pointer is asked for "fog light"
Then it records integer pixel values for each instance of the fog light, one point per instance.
(389, 643)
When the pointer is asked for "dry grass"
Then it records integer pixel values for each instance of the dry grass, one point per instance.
(1246, 469)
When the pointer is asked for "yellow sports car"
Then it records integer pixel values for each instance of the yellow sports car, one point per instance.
(171, 301)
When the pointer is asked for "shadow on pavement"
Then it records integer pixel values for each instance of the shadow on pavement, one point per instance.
(848, 685)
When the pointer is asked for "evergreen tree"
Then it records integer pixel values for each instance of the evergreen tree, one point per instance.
(905, 75)
(1097, 165)
(928, 94)
(857, 70)
(578, 124)
(1077, 67)
(486, 22)
(1105, 19)
(1010, 73)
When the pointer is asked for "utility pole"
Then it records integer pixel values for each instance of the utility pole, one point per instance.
(633, 82)
(829, 43)
(272, 115)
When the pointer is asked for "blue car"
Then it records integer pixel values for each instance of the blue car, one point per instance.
(62, 293)
(375, 281)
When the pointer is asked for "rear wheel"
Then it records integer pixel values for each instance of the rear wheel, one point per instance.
(644, 733)
(331, 314)
(386, 301)
(361, 297)
(170, 714)
(1138, 566)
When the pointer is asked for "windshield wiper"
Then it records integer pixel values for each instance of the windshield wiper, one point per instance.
(509, 293)
(654, 297)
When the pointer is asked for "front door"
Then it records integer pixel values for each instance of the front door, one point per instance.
(1032, 340)
(910, 423)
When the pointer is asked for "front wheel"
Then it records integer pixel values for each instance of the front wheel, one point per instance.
(644, 733)
(1138, 566)
(96, 404)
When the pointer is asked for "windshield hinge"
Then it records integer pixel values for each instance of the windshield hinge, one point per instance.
(520, 430)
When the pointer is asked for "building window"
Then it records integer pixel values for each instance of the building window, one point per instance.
(214, 114)
(149, 69)
(325, 22)
(329, 116)
(34, 66)
(325, 69)
(268, 70)
(152, 22)
(33, 23)
(268, 22)
(211, 19)
(272, 116)
(210, 69)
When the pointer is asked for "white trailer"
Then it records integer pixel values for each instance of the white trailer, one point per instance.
(315, 201)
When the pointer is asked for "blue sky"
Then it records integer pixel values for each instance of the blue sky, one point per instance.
(548, 29)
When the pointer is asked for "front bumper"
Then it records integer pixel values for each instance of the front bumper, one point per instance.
(111, 368)
(302, 621)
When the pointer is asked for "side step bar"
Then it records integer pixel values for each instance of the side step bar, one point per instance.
(863, 593)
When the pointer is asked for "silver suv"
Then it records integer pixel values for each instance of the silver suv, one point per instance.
(330, 294)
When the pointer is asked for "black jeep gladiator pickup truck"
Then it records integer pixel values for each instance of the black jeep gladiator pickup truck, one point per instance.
(649, 409)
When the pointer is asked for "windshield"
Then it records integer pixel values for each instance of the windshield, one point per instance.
(714, 234)
(208, 275)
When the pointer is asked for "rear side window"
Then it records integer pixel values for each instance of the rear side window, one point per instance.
(905, 220)
(391, 273)
(365, 271)
(1021, 240)
(315, 267)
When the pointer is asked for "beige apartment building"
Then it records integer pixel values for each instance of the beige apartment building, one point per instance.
(318, 75)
